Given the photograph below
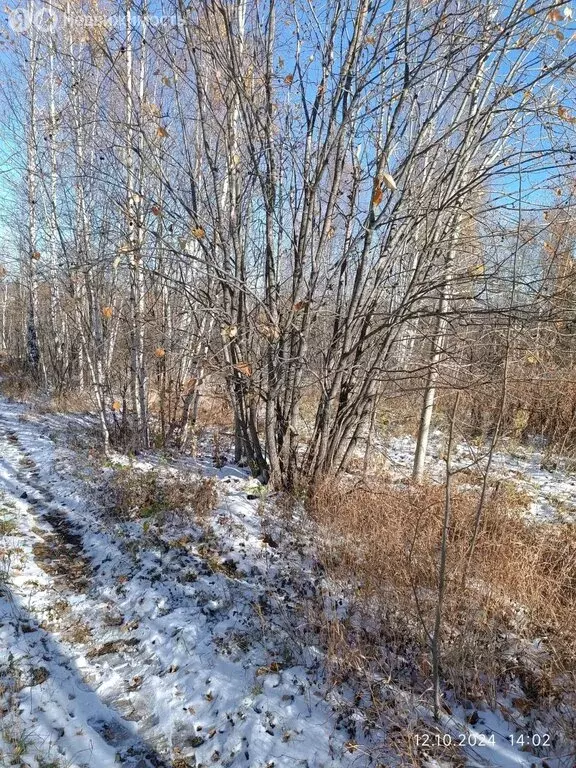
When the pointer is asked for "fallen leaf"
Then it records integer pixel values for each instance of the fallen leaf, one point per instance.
(198, 232)
(161, 132)
(523, 704)
(272, 668)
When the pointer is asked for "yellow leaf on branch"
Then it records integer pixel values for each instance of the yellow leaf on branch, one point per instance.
(476, 271)
(229, 331)
(271, 332)
(244, 368)
(388, 181)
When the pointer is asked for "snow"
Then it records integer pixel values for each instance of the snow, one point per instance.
(172, 660)
(182, 644)
(552, 491)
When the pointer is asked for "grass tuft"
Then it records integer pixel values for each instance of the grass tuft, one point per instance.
(382, 543)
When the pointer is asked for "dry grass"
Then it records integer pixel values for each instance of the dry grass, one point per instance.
(214, 410)
(80, 632)
(18, 385)
(399, 413)
(383, 541)
(134, 494)
(15, 383)
(74, 401)
(541, 402)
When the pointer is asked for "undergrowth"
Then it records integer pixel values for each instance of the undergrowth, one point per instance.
(379, 543)
(132, 493)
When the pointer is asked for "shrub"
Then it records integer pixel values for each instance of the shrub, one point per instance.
(383, 541)
(135, 494)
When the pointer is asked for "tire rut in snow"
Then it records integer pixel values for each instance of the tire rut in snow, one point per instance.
(61, 553)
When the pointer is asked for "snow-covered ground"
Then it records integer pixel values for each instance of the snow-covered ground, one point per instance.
(124, 647)
(179, 645)
(552, 491)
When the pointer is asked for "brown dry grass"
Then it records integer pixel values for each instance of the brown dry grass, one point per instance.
(18, 385)
(15, 383)
(541, 402)
(399, 413)
(134, 494)
(214, 411)
(383, 541)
